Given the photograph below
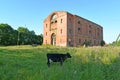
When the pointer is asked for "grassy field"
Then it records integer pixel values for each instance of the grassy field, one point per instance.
(29, 63)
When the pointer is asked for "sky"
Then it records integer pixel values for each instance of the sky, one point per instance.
(31, 13)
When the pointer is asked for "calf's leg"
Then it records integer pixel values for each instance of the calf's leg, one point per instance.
(61, 61)
(48, 63)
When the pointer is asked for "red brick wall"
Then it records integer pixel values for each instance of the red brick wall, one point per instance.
(71, 30)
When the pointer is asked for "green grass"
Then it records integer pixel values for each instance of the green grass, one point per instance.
(29, 63)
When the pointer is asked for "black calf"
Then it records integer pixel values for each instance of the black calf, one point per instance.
(57, 58)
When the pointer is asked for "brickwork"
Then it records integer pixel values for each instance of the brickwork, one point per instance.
(65, 29)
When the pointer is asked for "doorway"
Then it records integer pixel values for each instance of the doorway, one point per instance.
(53, 39)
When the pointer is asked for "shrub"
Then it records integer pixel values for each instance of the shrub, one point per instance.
(102, 43)
(87, 43)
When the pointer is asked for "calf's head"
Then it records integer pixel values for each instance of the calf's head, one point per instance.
(68, 55)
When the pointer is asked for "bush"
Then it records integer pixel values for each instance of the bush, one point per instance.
(102, 43)
(87, 43)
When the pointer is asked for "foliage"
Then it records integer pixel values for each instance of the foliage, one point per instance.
(102, 43)
(22, 36)
(28, 63)
(87, 43)
(117, 43)
(7, 34)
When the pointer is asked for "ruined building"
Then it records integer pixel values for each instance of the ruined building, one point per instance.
(65, 29)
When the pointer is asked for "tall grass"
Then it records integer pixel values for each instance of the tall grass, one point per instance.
(29, 63)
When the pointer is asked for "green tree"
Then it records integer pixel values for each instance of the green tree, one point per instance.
(23, 35)
(23, 30)
(39, 39)
(102, 43)
(7, 36)
(116, 43)
(29, 37)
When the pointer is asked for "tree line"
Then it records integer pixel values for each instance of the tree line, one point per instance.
(21, 36)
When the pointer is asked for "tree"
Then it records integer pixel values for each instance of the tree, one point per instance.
(29, 37)
(23, 35)
(32, 32)
(23, 30)
(6, 34)
(102, 43)
(9, 36)
(116, 43)
(40, 39)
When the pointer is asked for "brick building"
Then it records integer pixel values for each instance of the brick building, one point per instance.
(65, 29)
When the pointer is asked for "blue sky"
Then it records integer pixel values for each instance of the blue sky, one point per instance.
(31, 13)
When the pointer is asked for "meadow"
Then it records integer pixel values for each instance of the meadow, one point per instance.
(29, 63)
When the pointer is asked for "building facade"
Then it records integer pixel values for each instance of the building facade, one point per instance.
(65, 29)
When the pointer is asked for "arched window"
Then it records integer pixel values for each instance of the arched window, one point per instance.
(54, 18)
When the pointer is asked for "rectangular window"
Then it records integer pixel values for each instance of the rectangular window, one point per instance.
(61, 20)
(79, 30)
(78, 22)
(55, 21)
(89, 26)
(89, 31)
(61, 31)
(46, 25)
(79, 40)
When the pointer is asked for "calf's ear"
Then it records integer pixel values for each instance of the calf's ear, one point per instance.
(68, 55)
